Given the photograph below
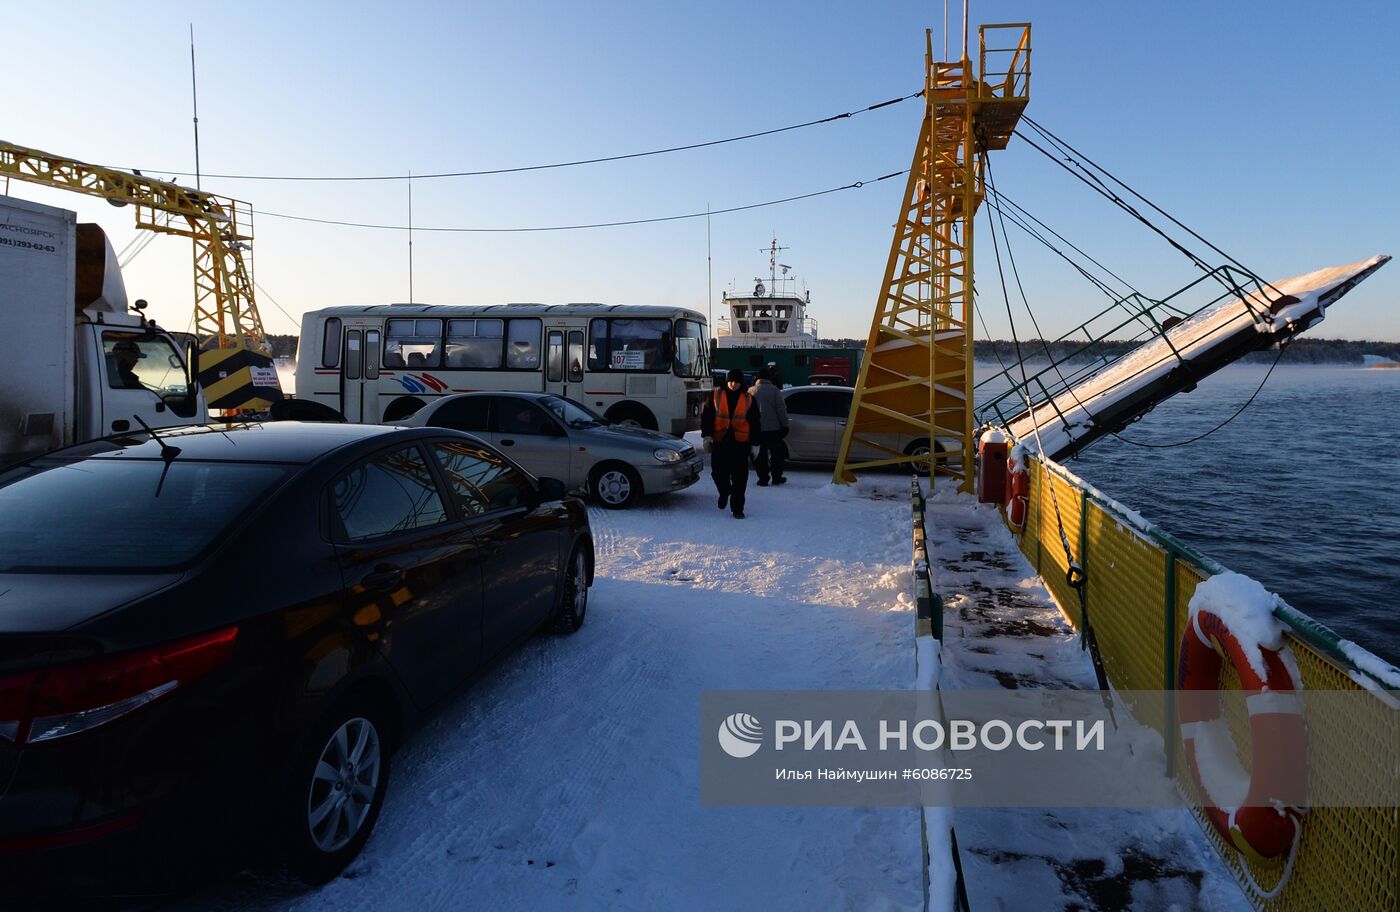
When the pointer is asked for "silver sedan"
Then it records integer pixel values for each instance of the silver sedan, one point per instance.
(817, 418)
(550, 435)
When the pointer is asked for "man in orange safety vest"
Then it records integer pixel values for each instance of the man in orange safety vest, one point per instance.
(730, 420)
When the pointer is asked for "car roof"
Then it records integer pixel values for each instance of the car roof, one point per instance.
(821, 387)
(297, 442)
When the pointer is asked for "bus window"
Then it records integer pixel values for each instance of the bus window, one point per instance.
(371, 354)
(523, 344)
(575, 356)
(554, 356)
(623, 344)
(352, 355)
(474, 344)
(330, 343)
(692, 357)
(413, 344)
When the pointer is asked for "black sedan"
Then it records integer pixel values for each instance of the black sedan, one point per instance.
(216, 639)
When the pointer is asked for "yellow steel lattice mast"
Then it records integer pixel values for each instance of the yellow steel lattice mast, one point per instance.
(235, 366)
(916, 376)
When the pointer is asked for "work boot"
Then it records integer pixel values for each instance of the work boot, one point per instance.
(763, 482)
(723, 501)
(738, 514)
(779, 481)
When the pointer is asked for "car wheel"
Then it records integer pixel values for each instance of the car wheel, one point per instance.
(337, 788)
(615, 486)
(919, 449)
(573, 601)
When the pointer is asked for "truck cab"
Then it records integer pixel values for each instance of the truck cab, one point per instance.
(77, 362)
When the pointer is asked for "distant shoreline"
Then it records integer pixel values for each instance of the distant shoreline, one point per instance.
(1302, 351)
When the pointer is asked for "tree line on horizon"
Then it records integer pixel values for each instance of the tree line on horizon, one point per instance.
(1303, 350)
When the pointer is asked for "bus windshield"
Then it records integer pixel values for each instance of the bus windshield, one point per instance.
(692, 349)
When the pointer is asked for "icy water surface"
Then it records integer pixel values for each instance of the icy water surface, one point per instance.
(1301, 491)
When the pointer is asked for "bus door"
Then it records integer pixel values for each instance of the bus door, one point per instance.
(359, 376)
(563, 373)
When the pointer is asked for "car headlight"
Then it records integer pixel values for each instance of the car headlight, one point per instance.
(666, 455)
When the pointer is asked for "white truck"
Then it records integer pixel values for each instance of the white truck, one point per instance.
(75, 362)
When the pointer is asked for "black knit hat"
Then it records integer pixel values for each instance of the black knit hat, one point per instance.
(734, 374)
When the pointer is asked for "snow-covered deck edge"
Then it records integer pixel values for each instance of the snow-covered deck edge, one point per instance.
(1364, 667)
(944, 890)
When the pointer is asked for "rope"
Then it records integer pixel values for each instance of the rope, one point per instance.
(642, 221)
(1075, 576)
(565, 164)
(1053, 138)
(1065, 381)
(1269, 895)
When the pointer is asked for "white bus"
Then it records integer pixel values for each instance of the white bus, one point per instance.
(640, 364)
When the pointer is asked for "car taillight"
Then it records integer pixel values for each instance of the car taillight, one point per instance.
(57, 702)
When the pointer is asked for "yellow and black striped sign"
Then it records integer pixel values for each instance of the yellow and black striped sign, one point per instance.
(238, 378)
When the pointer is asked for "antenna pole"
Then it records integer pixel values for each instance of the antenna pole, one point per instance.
(194, 94)
(410, 237)
(709, 277)
(964, 53)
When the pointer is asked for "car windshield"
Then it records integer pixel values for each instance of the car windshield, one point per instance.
(572, 413)
(114, 515)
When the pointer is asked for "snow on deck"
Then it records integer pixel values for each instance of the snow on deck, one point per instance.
(569, 777)
(1002, 629)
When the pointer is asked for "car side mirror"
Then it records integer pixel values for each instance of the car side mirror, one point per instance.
(192, 367)
(552, 489)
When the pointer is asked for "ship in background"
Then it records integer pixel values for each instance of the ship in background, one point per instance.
(771, 326)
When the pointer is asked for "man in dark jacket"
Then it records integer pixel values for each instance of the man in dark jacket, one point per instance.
(772, 452)
(730, 420)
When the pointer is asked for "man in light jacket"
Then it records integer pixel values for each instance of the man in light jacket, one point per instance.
(773, 427)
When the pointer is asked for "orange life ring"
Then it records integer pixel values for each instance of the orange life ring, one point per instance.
(1262, 826)
(1019, 501)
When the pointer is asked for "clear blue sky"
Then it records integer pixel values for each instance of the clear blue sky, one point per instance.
(1269, 127)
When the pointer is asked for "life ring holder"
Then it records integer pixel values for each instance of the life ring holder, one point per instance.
(1261, 828)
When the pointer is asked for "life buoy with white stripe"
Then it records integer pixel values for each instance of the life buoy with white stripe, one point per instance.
(1262, 825)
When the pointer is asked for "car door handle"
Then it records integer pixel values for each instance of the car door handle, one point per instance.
(385, 576)
(507, 443)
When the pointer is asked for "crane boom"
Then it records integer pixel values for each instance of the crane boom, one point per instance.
(235, 365)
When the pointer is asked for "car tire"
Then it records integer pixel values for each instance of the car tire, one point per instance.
(920, 448)
(615, 486)
(348, 804)
(573, 600)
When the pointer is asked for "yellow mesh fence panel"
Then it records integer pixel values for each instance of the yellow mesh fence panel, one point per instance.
(1126, 595)
(1349, 857)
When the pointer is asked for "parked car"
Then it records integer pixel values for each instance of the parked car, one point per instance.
(218, 638)
(554, 436)
(817, 418)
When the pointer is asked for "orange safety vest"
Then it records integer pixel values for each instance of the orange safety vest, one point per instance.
(739, 421)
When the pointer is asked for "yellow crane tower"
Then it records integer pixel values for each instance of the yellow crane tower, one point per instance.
(916, 377)
(235, 364)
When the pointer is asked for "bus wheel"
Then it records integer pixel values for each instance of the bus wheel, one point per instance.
(631, 414)
(402, 408)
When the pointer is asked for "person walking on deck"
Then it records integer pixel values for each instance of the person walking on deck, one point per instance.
(729, 420)
(772, 451)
